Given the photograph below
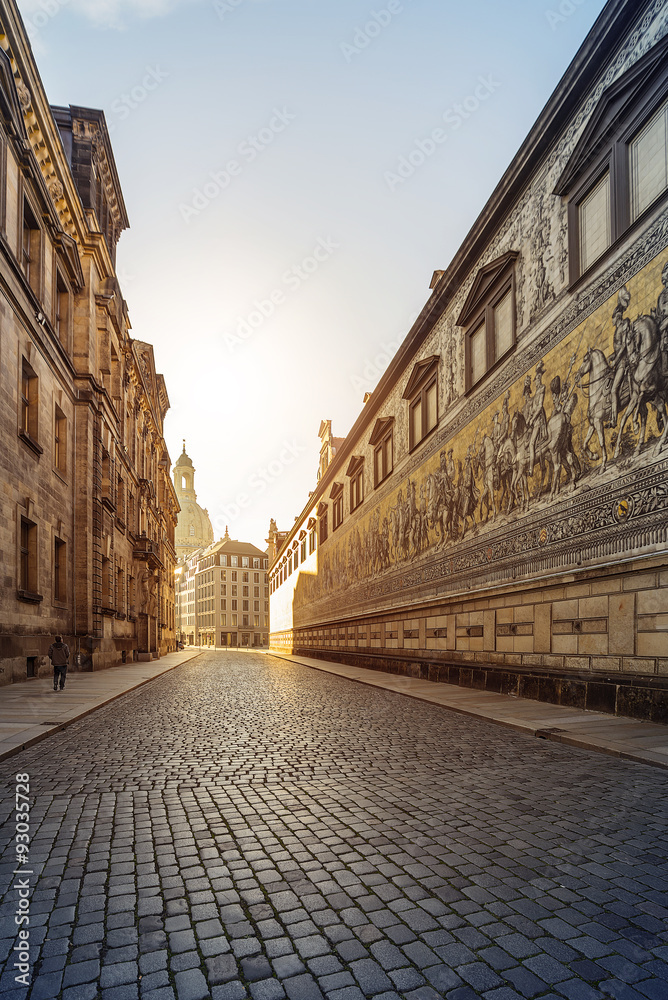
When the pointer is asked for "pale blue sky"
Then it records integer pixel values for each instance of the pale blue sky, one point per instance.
(184, 86)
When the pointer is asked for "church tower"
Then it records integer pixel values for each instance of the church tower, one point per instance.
(193, 530)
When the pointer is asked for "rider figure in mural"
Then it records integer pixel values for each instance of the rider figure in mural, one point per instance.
(662, 319)
(620, 342)
(538, 420)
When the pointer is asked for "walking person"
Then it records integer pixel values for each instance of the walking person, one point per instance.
(59, 654)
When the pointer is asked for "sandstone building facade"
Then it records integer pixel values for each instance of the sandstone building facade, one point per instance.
(497, 516)
(88, 509)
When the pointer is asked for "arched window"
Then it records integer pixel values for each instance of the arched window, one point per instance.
(192, 529)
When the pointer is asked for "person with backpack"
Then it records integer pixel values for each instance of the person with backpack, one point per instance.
(59, 654)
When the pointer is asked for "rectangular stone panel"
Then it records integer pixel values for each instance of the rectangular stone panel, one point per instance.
(542, 631)
(621, 621)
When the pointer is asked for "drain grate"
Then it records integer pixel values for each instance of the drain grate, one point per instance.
(544, 734)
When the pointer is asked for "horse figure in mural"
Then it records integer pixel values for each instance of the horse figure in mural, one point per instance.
(649, 383)
(513, 463)
(599, 409)
(558, 446)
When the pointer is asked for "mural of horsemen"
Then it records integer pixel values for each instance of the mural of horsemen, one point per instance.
(596, 404)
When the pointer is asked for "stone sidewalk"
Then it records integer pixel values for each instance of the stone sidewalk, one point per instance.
(629, 739)
(32, 710)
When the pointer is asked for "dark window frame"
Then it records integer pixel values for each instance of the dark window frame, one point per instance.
(29, 405)
(420, 399)
(624, 110)
(59, 441)
(504, 285)
(28, 557)
(323, 528)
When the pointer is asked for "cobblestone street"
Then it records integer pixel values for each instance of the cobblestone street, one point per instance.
(246, 827)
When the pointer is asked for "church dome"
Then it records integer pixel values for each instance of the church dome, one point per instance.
(193, 527)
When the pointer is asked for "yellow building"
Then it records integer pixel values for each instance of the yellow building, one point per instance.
(223, 595)
(496, 517)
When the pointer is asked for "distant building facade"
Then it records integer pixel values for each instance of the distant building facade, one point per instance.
(496, 517)
(223, 596)
(193, 528)
(88, 510)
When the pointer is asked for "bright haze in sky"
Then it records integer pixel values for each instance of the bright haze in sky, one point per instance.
(281, 242)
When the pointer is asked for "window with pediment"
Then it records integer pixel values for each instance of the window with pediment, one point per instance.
(617, 175)
(488, 318)
(422, 395)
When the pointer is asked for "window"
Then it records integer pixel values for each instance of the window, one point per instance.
(618, 170)
(235, 562)
(312, 536)
(382, 442)
(31, 241)
(244, 591)
(322, 522)
(594, 222)
(244, 577)
(488, 318)
(234, 622)
(337, 505)
(120, 500)
(256, 591)
(235, 605)
(648, 162)
(120, 589)
(244, 560)
(29, 401)
(234, 576)
(223, 605)
(62, 314)
(59, 570)
(422, 394)
(256, 563)
(296, 559)
(256, 577)
(245, 606)
(303, 550)
(107, 583)
(28, 557)
(59, 441)
(256, 621)
(235, 590)
(131, 511)
(355, 471)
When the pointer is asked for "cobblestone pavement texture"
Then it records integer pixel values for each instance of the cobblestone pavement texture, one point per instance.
(245, 827)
